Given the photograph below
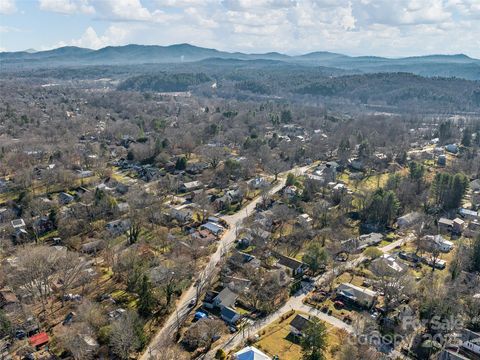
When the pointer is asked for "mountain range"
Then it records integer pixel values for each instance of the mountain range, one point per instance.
(459, 65)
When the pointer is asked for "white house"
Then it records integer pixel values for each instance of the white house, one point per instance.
(440, 243)
(250, 353)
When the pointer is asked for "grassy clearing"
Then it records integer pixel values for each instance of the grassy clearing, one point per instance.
(275, 340)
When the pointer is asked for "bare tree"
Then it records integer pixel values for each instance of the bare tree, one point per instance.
(125, 335)
(70, 267)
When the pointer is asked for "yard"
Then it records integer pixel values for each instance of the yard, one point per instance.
(276, 340)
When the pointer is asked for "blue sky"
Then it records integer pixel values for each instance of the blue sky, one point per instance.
(356, 27)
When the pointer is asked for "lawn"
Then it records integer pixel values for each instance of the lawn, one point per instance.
(275, 340)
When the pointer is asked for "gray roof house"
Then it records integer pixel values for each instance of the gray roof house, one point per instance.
(359, 295)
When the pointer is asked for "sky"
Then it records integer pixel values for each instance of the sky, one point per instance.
(392, 28)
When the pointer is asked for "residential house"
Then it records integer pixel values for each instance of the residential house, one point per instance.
(358, 295)
(408, 220)
(204, 235)
(92, 247)
(65, 198)
(38, 340)
(250, 353)
(471, 342)
(8, 300)
(451, 148)
(118, 227)
(445, 225)
(442, 160)
(290, 191)
(191, 186)
(293, 266)
(181, 215)
(215, 229)
(305, 220)
(468, 214)
(299, 324)
(229, 315)
(439, 242)
(18, 223)
(82, 174)
(362, 242)
(356, 164)
(451, 354)
(123, 207)
(390, 262)
(225, 298)
(258, 183)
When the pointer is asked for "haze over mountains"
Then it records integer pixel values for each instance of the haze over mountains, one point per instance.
(459, 65)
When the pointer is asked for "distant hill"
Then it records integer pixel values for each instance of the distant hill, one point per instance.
(459, 65)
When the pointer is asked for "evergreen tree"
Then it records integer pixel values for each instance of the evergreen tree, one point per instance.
(475, 266)
(315, 257)
(467, 137)
(314, 341)
(146, 300)
(181, 163)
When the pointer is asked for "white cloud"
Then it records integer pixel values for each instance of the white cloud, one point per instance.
(114, 35)
(67, 6)
(359, 27)
(7, 7)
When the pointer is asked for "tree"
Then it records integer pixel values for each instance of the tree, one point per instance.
(315, 257)
(448, 190)
(36, 267)
(475, 257)
(314, 342)
(146, 300)
(201, 334)
(372, 253)
(382, 208)
(126, 335)
(181, 163)
(290, 179)
(275, 166)
(214, 155)
(70, 268)
(467, 137)
(392, 283)
(73, 339)
(5, 325)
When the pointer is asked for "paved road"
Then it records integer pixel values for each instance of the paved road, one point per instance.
(296, 303)
(182, 310)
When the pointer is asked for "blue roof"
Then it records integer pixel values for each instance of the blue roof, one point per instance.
(228, 313)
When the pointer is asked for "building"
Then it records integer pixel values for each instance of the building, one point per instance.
(408, 220)
(471, 341)
(468, 214)
(65, 198)
(191, 186)
(358, 295)
(229, 315)
(299, 324)
(38, 340)
(439, 242)
(390, 262)
(293, 266)
(362, 242)
(445, 225)
(305, 220)
(118, 227)
(250, 353)
(225, 298)
(215, 229)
